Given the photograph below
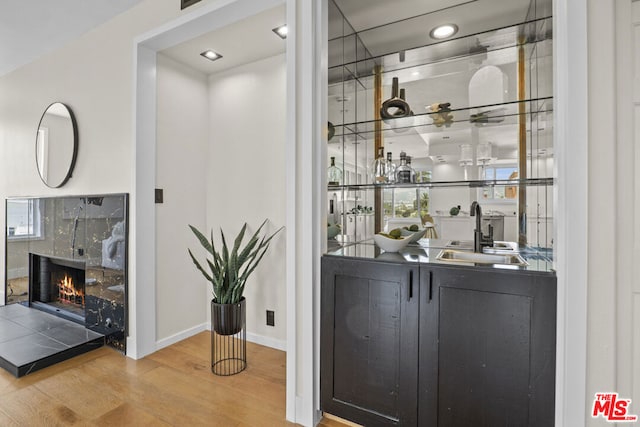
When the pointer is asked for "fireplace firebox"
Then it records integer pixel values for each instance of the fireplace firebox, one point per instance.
(57, 285)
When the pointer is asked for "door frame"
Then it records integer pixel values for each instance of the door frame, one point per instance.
(627, 232)
(570, 206)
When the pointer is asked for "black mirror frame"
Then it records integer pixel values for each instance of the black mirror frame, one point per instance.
(75, 145)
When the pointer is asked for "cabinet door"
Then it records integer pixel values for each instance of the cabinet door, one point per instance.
(369, 350)
(487, 357)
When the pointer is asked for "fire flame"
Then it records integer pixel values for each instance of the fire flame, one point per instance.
(68, 293)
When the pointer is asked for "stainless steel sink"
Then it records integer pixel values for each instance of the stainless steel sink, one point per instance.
(452, 255)
(500, 247)
(461, 244)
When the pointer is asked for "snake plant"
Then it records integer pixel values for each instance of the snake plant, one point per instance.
(228, 269)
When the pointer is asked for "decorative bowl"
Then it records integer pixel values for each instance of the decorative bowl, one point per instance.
(414, 236)
(390, 245)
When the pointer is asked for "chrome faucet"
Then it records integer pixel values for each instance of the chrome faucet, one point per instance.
(480, 240)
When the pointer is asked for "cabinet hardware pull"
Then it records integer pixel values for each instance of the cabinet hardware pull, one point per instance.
(410, 286)
(430, 286)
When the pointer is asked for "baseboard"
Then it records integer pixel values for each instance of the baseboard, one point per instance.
(254, 338)
(267, 341)
(166, 342)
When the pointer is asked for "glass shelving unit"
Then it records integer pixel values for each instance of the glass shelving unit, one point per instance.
(516, 120)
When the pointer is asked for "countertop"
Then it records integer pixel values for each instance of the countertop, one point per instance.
(426, 251)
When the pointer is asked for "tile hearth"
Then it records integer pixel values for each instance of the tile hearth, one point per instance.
(31, 339)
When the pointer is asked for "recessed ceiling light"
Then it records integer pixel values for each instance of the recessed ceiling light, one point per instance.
(281, 31)
(211, 55)
(443, 31)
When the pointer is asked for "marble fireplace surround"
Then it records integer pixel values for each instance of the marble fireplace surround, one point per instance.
(89, 233)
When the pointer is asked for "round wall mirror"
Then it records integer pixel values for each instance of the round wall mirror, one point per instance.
(56, 145)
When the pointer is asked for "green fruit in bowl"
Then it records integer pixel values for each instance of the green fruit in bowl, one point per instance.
(396, 233)
(414, 227)
(389, 236)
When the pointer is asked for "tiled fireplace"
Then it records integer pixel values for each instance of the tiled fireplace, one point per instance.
(66, 279)
(67, 256)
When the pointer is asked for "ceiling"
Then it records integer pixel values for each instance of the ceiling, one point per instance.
(32, 28)
(248, 40)
(365, 14)
(389, 26)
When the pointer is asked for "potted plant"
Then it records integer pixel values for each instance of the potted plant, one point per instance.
(228, 271)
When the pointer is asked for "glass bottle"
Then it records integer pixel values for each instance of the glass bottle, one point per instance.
(425, 175)
(334, 174)
(391, 168)
(379, 168)
(413, 172)
(403, 172)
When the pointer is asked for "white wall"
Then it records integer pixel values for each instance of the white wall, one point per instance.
(182, 141)
(613, 338)
(601, 249)
(246, 177)
(628, 156)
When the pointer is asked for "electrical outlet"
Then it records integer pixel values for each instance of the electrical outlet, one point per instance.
(271, 318)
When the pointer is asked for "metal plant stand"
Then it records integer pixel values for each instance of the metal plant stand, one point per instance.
(228, 338)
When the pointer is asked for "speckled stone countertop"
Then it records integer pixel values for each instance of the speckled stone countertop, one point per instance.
(427, 250)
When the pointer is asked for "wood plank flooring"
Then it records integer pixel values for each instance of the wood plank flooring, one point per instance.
(172, 387)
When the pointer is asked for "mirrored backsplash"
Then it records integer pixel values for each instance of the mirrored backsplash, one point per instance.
(86, 231)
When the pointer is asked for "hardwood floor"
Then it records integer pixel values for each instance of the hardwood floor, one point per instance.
(172, 387)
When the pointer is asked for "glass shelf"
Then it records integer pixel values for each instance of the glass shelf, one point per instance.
(527, 33)
(444, 184)
(481, 116)
(362, 72)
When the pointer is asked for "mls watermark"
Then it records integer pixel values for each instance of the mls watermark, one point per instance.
(612, 408)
